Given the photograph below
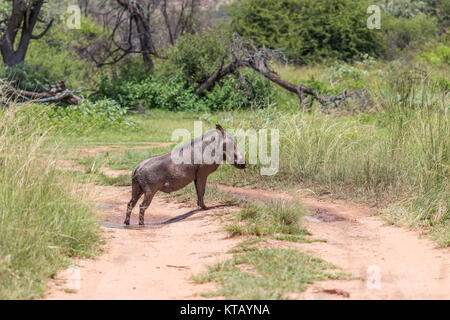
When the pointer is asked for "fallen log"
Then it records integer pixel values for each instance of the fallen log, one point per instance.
(57, 93)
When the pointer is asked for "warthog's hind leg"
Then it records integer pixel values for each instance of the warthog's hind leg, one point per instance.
(145, 204)
(136, 193)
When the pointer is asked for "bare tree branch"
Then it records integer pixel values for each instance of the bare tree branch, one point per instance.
(43, 33)
(246, 54)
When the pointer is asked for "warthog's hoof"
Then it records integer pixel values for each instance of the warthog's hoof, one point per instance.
(126, 222)
(141, 224)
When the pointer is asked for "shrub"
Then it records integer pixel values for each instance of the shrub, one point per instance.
(438, 54)
(308, 30)
(117, 83)
(84, 118)
(174, 95)
(403, 32)
(235, 93)
(190, 62)
(196, 57)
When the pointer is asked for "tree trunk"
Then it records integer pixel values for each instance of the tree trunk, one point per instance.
(24, 18)
(143, 29)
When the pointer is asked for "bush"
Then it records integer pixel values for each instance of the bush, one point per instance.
(438, 54)
(235, 93)
(172, 94)
(308, 30)
(84, 118)
(175, 95)
(403, 32)
(116, 83)
(196, 57)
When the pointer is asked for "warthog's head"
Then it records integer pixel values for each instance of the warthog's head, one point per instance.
(230, 151)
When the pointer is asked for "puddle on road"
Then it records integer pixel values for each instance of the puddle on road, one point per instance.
(116, 221)
(114, 218)
(323, 215)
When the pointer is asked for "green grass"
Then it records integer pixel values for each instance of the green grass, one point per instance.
(397, 157)
(123, 159)
(268, 219)
(44, 219)
(255, 273)
(122, 180)
(267, 274)
(153, 126)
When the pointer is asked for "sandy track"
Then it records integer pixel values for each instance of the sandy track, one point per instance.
(406, 266)
(155, 262)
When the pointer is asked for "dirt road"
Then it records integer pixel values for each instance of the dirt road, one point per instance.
(391, 262)
(157, 262)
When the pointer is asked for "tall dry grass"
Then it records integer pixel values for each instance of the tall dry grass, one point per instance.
(44, 219)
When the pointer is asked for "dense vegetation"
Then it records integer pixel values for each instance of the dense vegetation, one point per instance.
(393, 152)
(43, 220)
(308, 30)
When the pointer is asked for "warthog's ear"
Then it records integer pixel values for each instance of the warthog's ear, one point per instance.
(219, 127)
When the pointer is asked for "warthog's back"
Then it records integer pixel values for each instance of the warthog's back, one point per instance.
(162, 173)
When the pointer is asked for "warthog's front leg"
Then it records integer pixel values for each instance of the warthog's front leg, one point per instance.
(200, 187)
(145, 204)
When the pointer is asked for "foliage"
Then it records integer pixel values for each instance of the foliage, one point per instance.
(189, 63)
(308, 30)
(267, 274)
(440, 9)
(43, 218)
(397, 155)
(56, 59)
(404, 8)
(117, 82)
(437, 54)
(167, 95)
(196, 56)
(83, 118)
(173, 94)
(402, 32)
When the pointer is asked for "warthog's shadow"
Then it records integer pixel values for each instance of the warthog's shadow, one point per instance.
(190, 213)
(177, 218)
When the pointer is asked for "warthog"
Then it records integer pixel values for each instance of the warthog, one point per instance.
(174, 170)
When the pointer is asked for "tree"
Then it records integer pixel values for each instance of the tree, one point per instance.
(308, 30)
(139, 27)
(16, 30)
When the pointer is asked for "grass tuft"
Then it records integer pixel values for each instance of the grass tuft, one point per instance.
(268, 219)
(267, 274)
